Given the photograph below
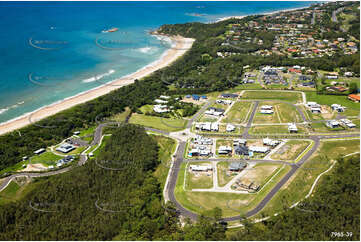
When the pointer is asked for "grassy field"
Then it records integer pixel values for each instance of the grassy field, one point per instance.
(197, 180)
(14, 192)
(104, 141)
(223, 178)
(120, 117)
(167, 147)
(291, 150)
(238, 113)
(292, 97)
(322, 128)
(47, 159)
(352, 109)
(157, 122)
(261, 118)
(275, 129)
(231, 204)
(300, 183)
(283, 113)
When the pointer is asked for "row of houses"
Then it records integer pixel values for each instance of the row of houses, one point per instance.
(207, 126)
(225, 102)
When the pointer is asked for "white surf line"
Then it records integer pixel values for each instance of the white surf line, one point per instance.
(165, 194)
(354, 153)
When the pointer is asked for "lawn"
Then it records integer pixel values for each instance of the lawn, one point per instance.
(293, 97)
(223, 177)
(352, 108)
(167, 147)
(300, 183)
(275, 129)
(165, 124)
(288, 113)
(239, 113)
(197, 180)
(120, 117)
(14, 192)
(261, 118)
(322, 128)
(47, 159)
(291, 150)
(231, 204)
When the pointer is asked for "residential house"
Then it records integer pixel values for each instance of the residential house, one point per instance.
(203, 168)
(332, 124)
(224, 150)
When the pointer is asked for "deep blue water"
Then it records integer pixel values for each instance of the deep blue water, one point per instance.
(51, 51)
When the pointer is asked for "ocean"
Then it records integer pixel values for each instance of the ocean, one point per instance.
(54, 50)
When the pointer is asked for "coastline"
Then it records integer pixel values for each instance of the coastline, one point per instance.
(181, 45)
(266, 13)
(170, 55)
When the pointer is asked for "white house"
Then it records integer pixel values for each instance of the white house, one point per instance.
(223, 149)
(292, 128)
(258, 149)
(270, 142)
(263, 111)
(230, 128)
(160, 101)
(332, 124)
(200, 168)
(160, 108)
(215, 127)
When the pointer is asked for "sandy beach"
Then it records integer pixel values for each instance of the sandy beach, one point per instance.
(180, 46)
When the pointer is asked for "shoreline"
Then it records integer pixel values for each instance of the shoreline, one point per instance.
(181, 45)
(266, 13)
(170, 55)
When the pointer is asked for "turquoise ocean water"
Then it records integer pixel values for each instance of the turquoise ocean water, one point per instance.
(51, 51)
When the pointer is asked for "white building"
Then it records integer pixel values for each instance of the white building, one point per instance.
(292, 128)
(258, 149)
(270, 142)
(160, 108)
(332, 124)
(230, 128)
(200, 168)
(223, 149)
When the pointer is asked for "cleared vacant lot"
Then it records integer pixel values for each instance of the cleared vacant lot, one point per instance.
(223, 175)
(165, 124)
(196, 180)
(291, 150)
(275, 129)
(239, 113)
(300, 183)
(231, 204)
(283, 113)
(292, 97)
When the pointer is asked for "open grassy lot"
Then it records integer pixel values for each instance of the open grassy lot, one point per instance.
(146, 108)
(322, 128)
(17, 190)
(207, 118)
(300, 183)
(223, 176)
(239, 113)
(158, 122)
(321, 116)
(352, 109)
(261, 118)
(283, 113)
(167, 147)
(288, 113)
(275, 129)
(261, 173)
(196, 180)
(292, 97)
(231, 204)
(291, 150)
(120, 117)
(47, 159)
